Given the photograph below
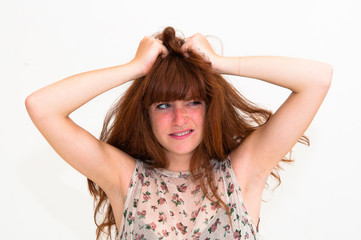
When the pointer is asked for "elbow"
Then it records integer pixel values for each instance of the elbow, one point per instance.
(320, 76)
(329, 74)
(32, 105)
(326, 75)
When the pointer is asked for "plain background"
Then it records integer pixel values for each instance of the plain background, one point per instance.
(44, 41)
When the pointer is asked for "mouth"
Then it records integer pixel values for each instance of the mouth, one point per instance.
(181, 134)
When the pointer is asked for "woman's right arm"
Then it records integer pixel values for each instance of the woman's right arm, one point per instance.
(49, 109)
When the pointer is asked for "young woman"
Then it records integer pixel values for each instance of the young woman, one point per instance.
(182, 155)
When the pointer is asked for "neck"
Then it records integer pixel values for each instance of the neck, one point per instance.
(178, 163)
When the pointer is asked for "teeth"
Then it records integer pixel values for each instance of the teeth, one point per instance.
(183, 133)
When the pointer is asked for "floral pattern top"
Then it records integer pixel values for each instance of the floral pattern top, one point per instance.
(161, 204)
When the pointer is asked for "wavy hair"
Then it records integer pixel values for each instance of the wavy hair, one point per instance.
(230, 118)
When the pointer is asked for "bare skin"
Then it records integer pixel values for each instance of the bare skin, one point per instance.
(178, 127)
(252, 161)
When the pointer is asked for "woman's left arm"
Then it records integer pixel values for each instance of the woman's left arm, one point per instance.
(309, 82)
(298, 75)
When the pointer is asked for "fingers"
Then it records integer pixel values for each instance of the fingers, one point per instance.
(190, 45)
(163, 50)
(147, 53)
(186, 47)
(154, 47)
(158, 45)
(196, 43)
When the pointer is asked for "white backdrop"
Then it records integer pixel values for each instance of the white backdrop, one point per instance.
(44, 41)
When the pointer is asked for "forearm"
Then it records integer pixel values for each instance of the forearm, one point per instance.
(63, 97)
(298, 75)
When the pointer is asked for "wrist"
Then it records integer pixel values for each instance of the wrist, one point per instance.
(227, 65)
(217, 64)
(136, 69)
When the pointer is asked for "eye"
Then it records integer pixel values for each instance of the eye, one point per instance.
(194, 103)
(163, 106)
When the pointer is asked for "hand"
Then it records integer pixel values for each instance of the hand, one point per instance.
(148, 51)
(200, 45)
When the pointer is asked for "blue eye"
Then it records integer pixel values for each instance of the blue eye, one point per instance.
(163, 106)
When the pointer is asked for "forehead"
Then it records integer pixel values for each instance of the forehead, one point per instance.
(178, 81)
(189, 97)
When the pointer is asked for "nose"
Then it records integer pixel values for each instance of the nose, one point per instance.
(180, 116)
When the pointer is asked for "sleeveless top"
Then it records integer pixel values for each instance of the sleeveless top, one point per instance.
(161, 204)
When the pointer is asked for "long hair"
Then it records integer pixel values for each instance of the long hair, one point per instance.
(230, 118)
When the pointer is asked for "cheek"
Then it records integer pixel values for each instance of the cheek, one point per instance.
(158, 122)
(200, 117)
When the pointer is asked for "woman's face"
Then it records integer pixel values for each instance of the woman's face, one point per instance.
(178, 126)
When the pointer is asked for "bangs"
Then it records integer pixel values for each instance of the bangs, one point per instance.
(174, 78)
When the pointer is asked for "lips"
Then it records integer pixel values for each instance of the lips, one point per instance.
(181, 134)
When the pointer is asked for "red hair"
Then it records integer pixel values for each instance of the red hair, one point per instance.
(230, 118)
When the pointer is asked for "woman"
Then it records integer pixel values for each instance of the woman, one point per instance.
(179, 147)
